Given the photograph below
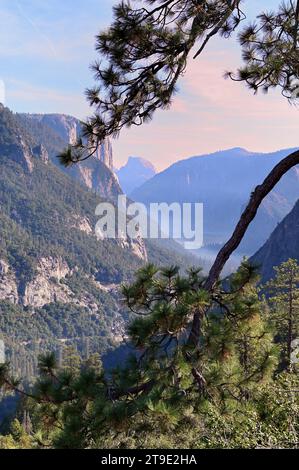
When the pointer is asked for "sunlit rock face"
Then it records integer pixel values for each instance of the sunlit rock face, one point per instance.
(2, 352)
(105, 154)
(41, 152)
(8, 283)
(96, 173)
(45, 287)
(96, 176)
(69, 129)
(22, 153)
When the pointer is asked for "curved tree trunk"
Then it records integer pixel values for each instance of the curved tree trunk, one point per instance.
(247, 217)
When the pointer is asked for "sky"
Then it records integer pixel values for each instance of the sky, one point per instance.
(46, 49)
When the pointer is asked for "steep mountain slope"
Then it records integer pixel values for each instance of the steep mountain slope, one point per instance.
(58, 283)
(68, 128)
(135, 173)
(223, 181)
(55, 132)
(282, 245)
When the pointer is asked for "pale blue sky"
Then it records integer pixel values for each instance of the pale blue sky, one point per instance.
(45, 52)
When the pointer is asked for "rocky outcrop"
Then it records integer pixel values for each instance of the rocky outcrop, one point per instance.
(69, 130)
(41, 152)
(137, 246)
(97, 173)
(4, 267)
(46, 288)
(49, 285)
(67, 127)
(82, 224)
(17, 144)
(105, 154)
(2, 352)
(24, 154)
(21, 153)
(8, 283)
(97, 177)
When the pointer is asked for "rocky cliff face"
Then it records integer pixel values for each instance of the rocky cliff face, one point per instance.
(41, 152)
(59, 285)
(96, 176)
(56, 131)
(43, 289)
(282, 245)
(67, 127)
(23, 154)
(105, 154)
(59, 218)
(69, 130)
(17, 144)
(8, 283)
(137, 246)
(46, 288)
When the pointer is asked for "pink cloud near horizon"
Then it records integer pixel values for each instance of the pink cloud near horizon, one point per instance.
(210, 113)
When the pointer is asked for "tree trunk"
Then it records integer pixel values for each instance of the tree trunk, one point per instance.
(247, 217)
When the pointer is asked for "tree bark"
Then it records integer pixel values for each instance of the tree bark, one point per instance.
(247, 217)
(144, 387)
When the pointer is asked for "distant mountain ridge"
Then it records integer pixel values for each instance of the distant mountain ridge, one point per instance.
(223, 181)
(135, 173)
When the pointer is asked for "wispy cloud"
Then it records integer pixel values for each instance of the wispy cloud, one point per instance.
(211, 113)
(46, 100)
(45, 52)
(37, 35)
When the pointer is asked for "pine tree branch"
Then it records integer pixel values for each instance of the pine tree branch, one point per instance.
(232, 5)
(145, 387)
